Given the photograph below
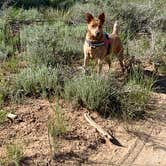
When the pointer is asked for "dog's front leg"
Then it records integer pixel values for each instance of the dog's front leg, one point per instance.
(99, 66)
(86, 58)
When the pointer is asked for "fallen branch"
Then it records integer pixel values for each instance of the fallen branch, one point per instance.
(104, 133)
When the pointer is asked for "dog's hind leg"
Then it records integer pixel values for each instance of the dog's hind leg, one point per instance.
(120, 58)
(108, 61)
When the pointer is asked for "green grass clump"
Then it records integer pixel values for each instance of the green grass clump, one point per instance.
(39, 81)
(2, 116)
(52, 14)
(14, 153)
(57, 127)
(12, 14)
(3, 53)
(2, 90)
(28, 4)
(135, 95)
(92, 92)
(52, 44)
(11, 64)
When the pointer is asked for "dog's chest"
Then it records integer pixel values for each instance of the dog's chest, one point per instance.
(98, 52)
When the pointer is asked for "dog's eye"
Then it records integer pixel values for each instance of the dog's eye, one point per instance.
(93, 26)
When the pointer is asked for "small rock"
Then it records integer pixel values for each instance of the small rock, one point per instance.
(11, 116)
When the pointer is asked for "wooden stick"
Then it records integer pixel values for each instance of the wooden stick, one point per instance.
(105, 134)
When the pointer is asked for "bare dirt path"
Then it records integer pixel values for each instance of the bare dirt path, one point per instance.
(144, 141)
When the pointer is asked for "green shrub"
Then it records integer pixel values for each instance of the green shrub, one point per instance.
(12, 14)
(159, 44)
(2, 116)
(28, 3)
(93, 92)
(2, 27)
(52, 44)
(14, 153)
(134, 16)
(135, 95)
(140, 48)
(11, 64)
(162, 68)
(61, 4)
(39, 81)
(52, 14)
(4, 89)
(42, 3)
(78, 11)
(57, 127)
(3, 53)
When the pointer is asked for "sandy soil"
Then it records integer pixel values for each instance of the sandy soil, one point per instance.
(143, 143)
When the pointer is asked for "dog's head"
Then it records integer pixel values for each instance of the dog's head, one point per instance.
(95, 25)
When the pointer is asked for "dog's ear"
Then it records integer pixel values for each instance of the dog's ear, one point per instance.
(88, 17)
(101, 17)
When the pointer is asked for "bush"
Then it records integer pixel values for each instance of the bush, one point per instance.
(39, 81)
(11, 64)
(52, 44)
(52, 14)
(12, 14)
(42, 3)
(140, 48)
(92, 92)
(2, 116)
(3, 53)
(57, 127)
(14, 153)
(4, 89)
(159, 44)
(135, 95)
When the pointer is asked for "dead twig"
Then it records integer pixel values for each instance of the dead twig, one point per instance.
(104, 133)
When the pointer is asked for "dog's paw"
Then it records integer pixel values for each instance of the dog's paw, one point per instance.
(82, 69)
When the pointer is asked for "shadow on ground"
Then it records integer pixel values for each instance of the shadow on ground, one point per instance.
(160, 83)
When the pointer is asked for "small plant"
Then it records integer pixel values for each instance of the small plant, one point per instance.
(135, 95)
(52, 44)
(93, 92)
(39, 81)
(57, 127)
(11, 64)
(2, 90)
(14, 153)
(2, 116)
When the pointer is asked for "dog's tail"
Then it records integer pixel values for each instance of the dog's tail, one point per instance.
(115, 28)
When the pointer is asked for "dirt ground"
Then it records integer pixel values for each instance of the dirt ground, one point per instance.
(140, 143)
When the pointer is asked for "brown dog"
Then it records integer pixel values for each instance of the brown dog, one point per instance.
(99, 45)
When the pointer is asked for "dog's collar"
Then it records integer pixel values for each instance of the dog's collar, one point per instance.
(94, 44)
(97, 44)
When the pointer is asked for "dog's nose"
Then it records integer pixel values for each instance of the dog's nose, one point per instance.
(97, 33)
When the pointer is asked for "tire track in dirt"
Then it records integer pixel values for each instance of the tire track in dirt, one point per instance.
(138, 146)
(135, 150)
